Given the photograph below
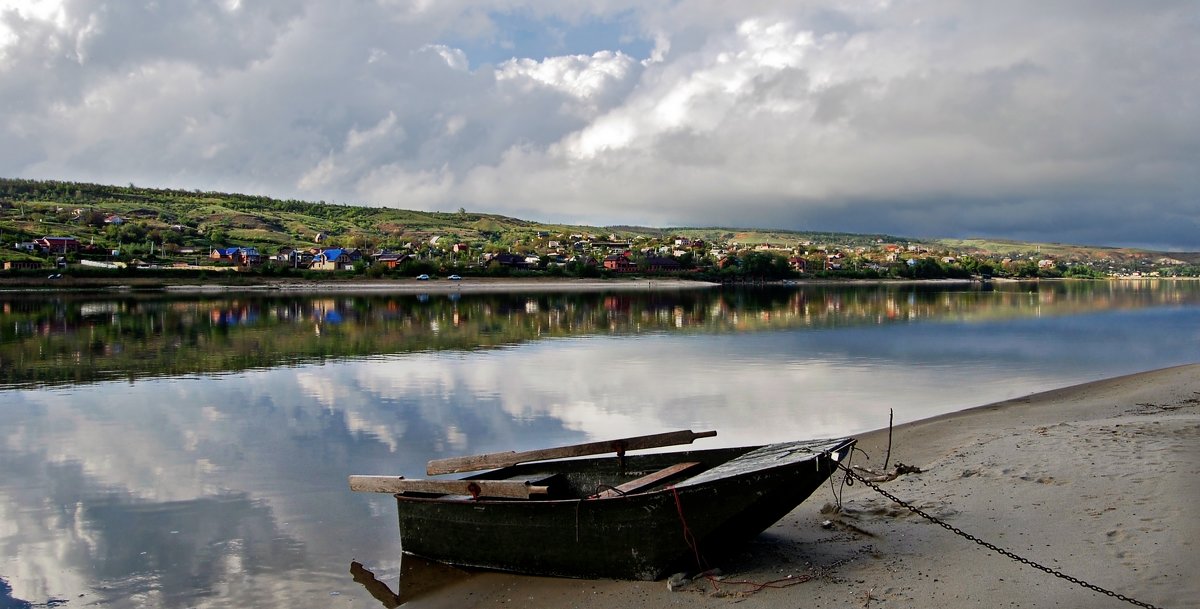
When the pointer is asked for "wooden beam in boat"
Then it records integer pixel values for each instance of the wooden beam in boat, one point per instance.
(510, 489)
(646, 481)
(505, 459)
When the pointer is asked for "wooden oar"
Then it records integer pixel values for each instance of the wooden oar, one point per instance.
(505, 459)
(512, 489)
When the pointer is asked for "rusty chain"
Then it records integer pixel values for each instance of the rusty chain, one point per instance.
(851, 477)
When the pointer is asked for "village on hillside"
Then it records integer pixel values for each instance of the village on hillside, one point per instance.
(575, 254)
(64, 228)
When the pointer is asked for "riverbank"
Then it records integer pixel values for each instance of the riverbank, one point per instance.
(381, 286)
(1097, 481)
(234, 282)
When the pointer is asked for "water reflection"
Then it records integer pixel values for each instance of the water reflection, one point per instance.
(379, 590)
(74, 338)
(230, 490)
(418, 579)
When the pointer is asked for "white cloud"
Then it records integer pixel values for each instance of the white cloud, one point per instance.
(320, 176)
(454, 58)
(385, 128)
(579, 76)
(396, 186)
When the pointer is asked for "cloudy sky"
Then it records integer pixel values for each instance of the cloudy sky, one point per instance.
(1074, 121)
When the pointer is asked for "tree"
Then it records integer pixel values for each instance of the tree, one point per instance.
(924, 268)
(765, 265)
(93, 218)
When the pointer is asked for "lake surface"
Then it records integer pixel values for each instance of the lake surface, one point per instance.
(165, 450)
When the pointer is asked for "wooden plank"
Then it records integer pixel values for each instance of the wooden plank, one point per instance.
(646, 481)
(511, 489)
(505, 459)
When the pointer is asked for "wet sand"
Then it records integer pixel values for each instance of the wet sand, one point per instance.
(1098, 481)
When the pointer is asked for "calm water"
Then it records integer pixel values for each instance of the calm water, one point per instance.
(171, 451)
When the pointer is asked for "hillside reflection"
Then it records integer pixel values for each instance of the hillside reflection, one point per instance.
(74, 338)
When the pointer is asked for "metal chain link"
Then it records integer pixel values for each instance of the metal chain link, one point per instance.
(851, 476)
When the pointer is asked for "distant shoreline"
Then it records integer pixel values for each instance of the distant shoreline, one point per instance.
(444, 286)
(300, 286)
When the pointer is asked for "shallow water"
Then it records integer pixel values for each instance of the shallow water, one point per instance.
(193, 451)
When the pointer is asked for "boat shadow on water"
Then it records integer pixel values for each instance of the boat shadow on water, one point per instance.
(419, 578)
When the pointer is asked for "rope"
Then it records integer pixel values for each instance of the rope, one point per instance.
(707, 574)
(688, 538)
(851, 477)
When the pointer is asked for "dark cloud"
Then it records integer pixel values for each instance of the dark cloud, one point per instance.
(1074, 121)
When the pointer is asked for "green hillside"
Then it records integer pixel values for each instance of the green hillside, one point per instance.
(166, 224)
(31, 209)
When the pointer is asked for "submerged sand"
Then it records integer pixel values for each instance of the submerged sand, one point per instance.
(1098, 481)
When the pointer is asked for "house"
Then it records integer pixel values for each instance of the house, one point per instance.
(612, 245)
(21, 265)
(509, 260)
(619, 263)
(657, 264)
(26, 246)
(241, 256)
(286, 255)
(114, 219)
(289, 256)
(392, 260)
(335, 259)
(60, 245)
(798, 264)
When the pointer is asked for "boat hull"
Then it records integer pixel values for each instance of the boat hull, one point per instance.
(634, 536)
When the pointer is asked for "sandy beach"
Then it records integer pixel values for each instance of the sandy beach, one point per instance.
(1097, 481)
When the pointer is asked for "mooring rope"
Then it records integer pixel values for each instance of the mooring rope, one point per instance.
(707, 573)
(688, 537)
(851, 477)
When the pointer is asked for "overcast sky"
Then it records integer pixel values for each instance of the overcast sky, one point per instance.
(1072, 120)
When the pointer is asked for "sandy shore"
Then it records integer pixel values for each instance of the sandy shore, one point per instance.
(1098, 481)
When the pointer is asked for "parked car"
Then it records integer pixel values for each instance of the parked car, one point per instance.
(454, 277)
(423, 277)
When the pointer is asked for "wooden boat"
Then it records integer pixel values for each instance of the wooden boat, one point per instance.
(625, 516)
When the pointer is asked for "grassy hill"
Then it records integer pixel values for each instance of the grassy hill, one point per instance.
(178, 219)
(30, 209)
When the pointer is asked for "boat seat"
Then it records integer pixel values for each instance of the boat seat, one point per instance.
(646, 481)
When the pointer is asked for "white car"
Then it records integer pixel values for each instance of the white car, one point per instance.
(454, 277)
(422, 277)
